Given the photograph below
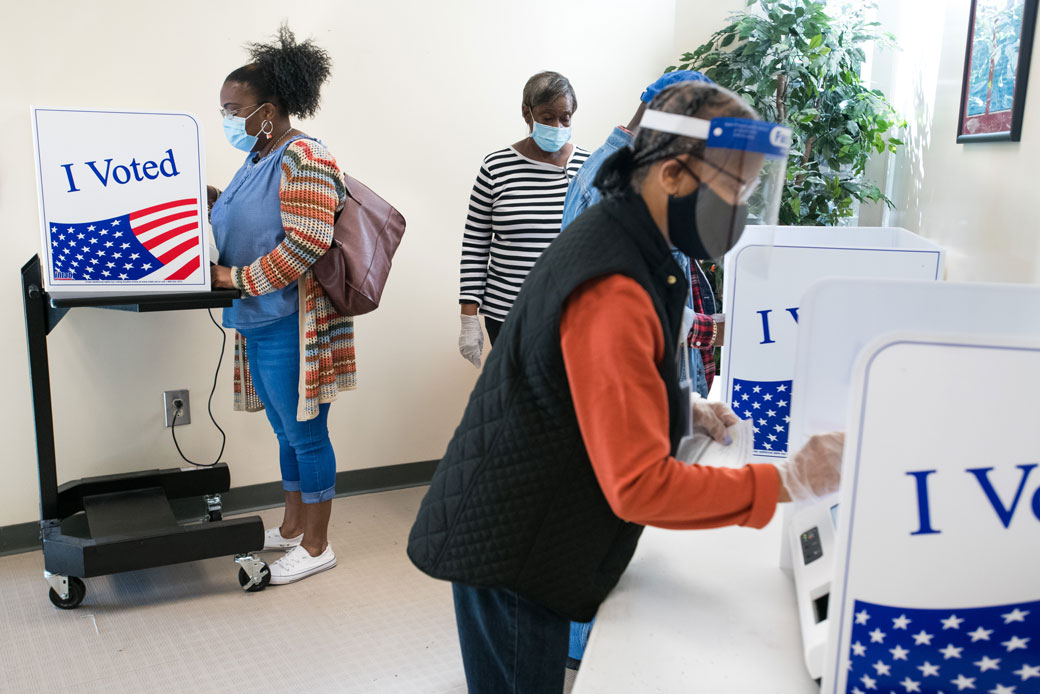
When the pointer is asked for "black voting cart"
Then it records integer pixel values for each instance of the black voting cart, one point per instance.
(112, 523)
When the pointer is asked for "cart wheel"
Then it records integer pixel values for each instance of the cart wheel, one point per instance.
(243, 579)
(214, 516)
(77, 591)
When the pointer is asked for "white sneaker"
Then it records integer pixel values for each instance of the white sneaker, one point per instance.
(273, 540)
(298, 564)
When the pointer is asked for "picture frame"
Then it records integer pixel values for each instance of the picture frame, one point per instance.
(996, 70)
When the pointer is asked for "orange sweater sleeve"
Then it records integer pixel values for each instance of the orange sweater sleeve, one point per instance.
(612, 343)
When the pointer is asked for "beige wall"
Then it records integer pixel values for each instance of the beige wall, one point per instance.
(974, 199)
(697, 20)
(420, 92)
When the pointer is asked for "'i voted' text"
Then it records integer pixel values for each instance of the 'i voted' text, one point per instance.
(106, 172)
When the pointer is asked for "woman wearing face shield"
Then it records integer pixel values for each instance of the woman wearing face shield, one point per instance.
(271, 223)
(516, 208)
(567, 447)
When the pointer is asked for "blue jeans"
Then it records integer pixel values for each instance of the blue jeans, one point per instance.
(510, 645)
(579, 639)
(304, 451)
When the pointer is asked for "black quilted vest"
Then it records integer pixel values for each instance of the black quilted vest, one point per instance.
(515, 503)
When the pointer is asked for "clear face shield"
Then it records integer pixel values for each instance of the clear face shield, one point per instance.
(740, 177)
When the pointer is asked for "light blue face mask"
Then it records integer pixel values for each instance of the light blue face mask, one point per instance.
(548, 138)
(235, 132)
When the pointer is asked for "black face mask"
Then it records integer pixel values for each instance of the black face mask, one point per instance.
(704, 226)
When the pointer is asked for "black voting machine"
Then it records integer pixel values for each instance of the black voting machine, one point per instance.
(112, 523)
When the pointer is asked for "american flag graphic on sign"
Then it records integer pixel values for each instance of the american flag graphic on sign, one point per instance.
(768, 405)
(158, 243)
(982, 649)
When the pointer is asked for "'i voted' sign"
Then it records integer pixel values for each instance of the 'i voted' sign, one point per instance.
(937, 581)
(122, 199)
(766, 274)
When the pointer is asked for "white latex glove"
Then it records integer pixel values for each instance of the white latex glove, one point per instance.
(712, 418)
(471, 339)
(815, 470)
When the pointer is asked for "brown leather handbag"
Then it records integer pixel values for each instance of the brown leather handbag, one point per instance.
(367, 233)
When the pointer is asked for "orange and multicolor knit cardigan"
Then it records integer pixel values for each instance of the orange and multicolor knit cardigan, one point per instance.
(311, 190)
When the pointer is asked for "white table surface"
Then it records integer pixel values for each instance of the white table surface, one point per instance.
(699, 611)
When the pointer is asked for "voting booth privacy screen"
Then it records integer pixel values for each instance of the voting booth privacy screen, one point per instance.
(843, 318)
(766, 274)
(937, 586)
(122, 199)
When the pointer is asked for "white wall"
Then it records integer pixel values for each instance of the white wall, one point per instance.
(697, 20)
(977, 200)
(420, 92)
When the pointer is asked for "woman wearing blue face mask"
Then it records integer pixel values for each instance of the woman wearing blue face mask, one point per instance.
(271, 223)
(516, 209)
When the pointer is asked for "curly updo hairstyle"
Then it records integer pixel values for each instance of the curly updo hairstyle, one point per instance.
(627, 168)
(286, 73)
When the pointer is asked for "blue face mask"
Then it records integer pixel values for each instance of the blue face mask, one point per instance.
(235, 132)
(548, 138)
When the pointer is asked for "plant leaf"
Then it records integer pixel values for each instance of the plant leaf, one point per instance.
(793, 61)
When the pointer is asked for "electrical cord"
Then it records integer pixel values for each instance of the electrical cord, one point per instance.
(209, 405)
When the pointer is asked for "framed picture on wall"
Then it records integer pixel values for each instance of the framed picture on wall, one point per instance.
(996, 69)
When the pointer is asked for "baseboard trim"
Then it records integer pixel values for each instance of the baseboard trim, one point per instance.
(20, 537)
(25, 537)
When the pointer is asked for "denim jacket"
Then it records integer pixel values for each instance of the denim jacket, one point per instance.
(581, 194)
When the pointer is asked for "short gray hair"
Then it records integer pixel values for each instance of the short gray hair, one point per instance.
(547, 87)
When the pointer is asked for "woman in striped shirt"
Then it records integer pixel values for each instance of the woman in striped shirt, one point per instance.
(516, 208)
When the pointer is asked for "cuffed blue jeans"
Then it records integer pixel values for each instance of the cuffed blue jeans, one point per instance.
(305, 453)
(510, 645)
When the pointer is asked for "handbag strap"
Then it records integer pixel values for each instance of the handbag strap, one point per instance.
(344, 178)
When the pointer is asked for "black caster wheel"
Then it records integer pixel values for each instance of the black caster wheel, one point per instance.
(214, 516)
(243, 579)
(77, 591)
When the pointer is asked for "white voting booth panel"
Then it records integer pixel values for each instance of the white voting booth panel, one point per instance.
(122, 199)
(766, 275)
(839, 317)
(937, 587)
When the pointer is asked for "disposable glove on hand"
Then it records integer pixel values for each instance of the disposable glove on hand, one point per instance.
(815, 470)
(670, 78)
(712, 418)
(471, 339)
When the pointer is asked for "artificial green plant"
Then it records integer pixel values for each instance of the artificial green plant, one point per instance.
(799, 64)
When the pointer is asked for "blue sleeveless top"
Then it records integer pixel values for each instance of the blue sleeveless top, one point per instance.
(247, 224)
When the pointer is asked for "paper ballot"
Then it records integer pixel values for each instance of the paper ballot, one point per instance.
(701, 448)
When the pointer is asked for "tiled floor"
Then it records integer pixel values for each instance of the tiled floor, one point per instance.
(374, 624)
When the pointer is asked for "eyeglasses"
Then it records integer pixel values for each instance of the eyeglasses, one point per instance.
(744, 187)
(225, 114)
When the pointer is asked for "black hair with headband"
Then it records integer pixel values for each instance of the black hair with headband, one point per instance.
(286, 73)
(627, 167)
